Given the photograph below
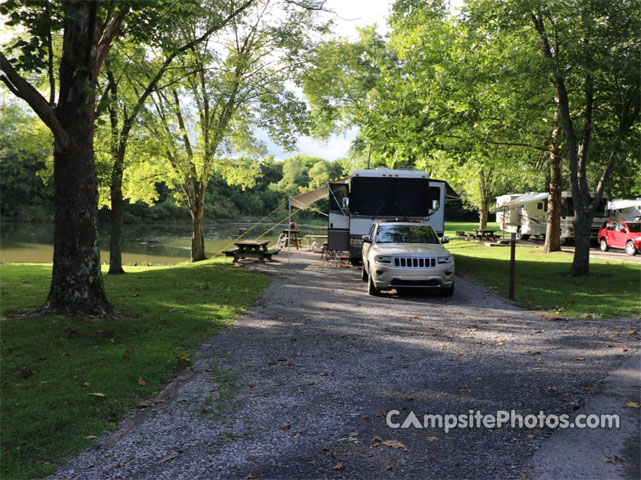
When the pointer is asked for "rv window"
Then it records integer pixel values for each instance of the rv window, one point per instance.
(545, 206)
(394, 197)
(539, 206)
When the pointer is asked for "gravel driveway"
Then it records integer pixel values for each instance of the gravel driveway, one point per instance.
(299, 386)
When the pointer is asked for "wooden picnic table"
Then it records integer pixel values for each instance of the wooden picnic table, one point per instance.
(251, 249)
(485, 234)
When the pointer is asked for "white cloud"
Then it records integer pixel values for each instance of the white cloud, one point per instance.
(335, 148)
(349, 16)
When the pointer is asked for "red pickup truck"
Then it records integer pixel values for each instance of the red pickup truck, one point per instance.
(620, 234)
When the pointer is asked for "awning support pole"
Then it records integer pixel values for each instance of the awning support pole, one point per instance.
(289, 228)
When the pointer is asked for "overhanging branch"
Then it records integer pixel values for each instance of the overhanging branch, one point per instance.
(23, 89)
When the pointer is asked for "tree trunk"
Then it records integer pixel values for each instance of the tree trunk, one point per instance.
(115, 241)
(582, 230)
(76, 283)
(485, 206)
(485, 202)
(198, 224)
(553, 225)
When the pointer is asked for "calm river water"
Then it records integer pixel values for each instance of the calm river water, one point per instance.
(158, 244)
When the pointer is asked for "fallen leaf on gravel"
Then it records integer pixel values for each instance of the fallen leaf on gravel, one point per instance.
(141, 382)
(393, 444)
(252, 475)
(532, 352)
(252, 458)
(580, 359)
(633, 405)
(630, 332)
(312, 462)
(292, 434)
(407, 398)
(166, 458)
(431, 439)
(338, 466)
(614, 460)
(388, 467)
(214, 389)
(465, 389)
(286, 427)
(522, 474)
(90, 437)
(501, 342)
(97, 394)
(531, 437)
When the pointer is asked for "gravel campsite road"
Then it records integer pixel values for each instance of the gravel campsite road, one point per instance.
(299, 386)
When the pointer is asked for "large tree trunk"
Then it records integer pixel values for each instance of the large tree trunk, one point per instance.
(115, 241)
(76, 283)
(198, 224)
(582, 230)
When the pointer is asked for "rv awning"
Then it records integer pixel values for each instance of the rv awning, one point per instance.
(304, 200)
(522, 200)
(621, 204)
(450, 194)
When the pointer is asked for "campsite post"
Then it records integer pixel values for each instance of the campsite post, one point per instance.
(512, 263)
(289, 227)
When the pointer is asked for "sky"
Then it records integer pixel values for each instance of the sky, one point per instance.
(350, 15)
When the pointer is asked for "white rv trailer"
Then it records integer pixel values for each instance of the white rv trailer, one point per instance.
(509, 213)
(625, 210)
(527, 215)
(381, 194)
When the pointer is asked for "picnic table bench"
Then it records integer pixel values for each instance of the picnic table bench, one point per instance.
(252, 249)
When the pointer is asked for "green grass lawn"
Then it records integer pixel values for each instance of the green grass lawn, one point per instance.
(541, 281)
(66, 380)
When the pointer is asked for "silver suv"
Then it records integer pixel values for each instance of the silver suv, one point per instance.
(398, 255)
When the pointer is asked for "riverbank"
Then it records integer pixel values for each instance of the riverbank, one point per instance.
(65, 380)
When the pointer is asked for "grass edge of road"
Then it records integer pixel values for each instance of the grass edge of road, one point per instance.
(542, 282)
(65, 381)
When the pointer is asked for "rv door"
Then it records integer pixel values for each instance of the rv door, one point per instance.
(338, 227)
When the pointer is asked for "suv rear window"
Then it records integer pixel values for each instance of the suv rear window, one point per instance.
(406, 234)
(635, 227)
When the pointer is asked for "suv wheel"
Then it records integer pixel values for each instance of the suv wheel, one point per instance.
(371, 288)
(630, 249)
(364, 273)
(603, 245)
(447, 292)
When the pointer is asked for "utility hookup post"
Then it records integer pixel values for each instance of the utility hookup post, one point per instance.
(512, 263)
